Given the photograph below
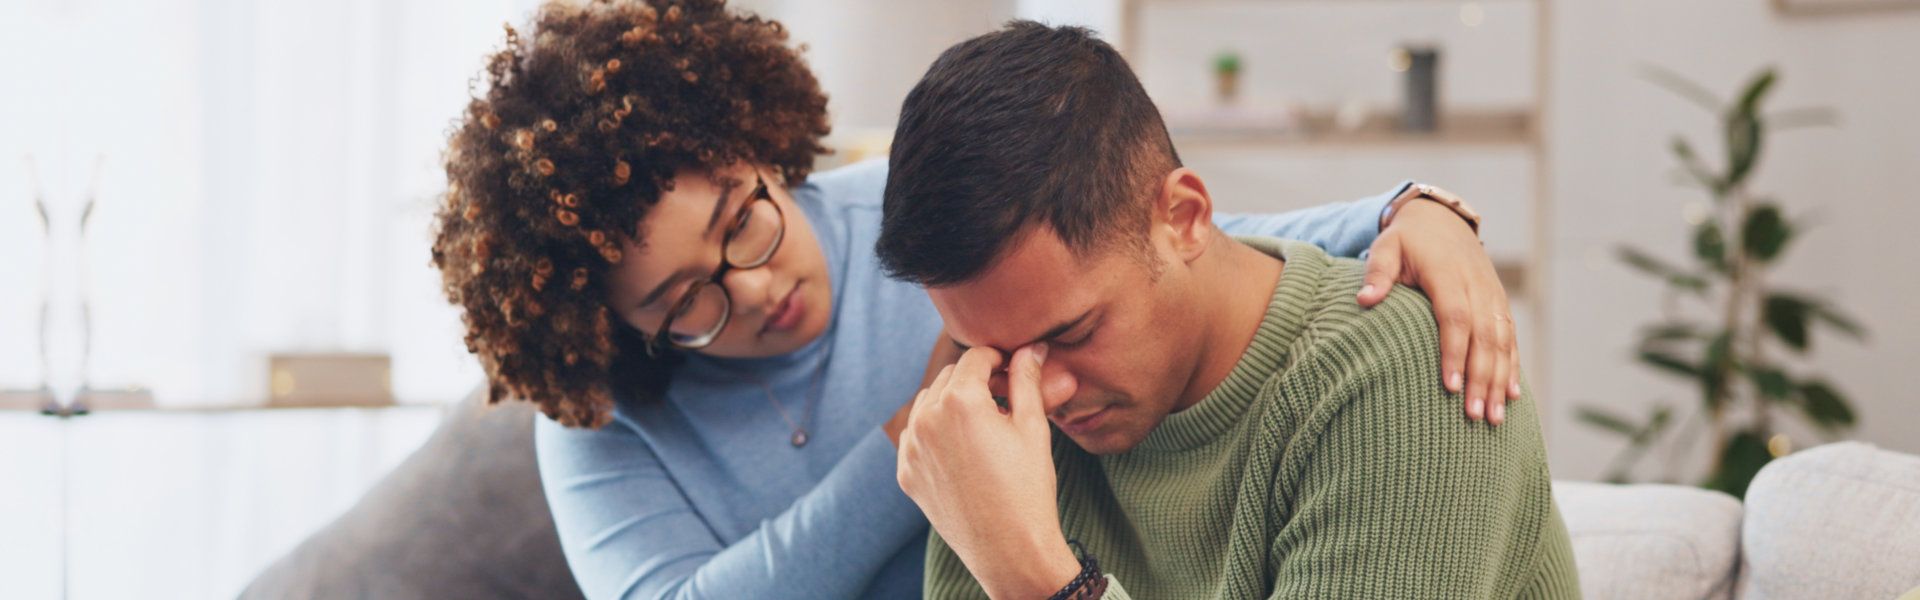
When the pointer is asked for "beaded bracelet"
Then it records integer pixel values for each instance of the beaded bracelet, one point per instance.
(1090, 583)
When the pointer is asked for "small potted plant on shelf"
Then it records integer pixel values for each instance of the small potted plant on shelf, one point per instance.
(1226, 75)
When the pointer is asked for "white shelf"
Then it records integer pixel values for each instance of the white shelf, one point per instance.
(1319, 128)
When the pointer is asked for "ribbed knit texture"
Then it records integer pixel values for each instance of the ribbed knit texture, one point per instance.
(1329, 464)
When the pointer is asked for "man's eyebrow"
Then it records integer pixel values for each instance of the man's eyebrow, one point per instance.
(1057, 331)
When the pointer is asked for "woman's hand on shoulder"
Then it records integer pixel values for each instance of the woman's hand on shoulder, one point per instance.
(1430, 247)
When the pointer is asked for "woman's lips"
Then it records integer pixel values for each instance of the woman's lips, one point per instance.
(786, 316)
(1087, 424)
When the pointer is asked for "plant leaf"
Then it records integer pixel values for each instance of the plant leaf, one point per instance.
(1646, 263)
(1839, 321)
(1681, 86)
(1743, 147)
(1745, 453)
(1714, 369)
(1655, 424)
(1710, 245)
(1771, 382)
(1786, 316)
(1825, 407)
(1743, 129)
(1671, 332)
(1765, 232)
(1691, 167)
(1605, 420)
(1669, 363)
(1682, 149)
(1692, 283)
(1750, 99)
(1796, 118)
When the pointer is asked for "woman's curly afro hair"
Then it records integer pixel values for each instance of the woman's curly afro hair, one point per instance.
(580, 129)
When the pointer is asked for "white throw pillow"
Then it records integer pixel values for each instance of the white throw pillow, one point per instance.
(1835, 521)
(1650, 542)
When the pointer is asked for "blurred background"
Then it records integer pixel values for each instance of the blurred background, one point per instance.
(252, 321)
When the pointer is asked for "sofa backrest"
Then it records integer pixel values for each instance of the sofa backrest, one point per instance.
(1647, 542)
(1835, 521)
(463, 517)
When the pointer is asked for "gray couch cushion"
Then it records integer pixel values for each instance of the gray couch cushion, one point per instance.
(1836, 521)
(463, 517)
(1647, 542)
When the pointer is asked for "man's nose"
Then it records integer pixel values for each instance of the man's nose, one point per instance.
(1057, 385)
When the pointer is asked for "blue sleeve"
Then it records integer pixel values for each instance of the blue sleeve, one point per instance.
(1342, 228)
(629, 532)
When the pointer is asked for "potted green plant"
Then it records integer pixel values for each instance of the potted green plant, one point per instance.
(1226, 75)
(1742, 324)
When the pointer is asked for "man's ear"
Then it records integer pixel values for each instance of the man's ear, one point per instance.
(1183, 212)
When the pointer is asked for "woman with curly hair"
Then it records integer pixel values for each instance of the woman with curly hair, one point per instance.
(635, 243)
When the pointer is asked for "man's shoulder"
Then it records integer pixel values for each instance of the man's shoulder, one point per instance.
(1399, 328)
(1388, 354)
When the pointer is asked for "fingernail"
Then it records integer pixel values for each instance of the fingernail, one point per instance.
(1040, 354)
(1513, 389)
(1475, 408)
(1499, 413)
(1453, 382)
(1366, 290)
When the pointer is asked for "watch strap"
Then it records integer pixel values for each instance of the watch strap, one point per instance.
(1422, 191)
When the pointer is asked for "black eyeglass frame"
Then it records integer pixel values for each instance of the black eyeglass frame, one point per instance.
(687, 298)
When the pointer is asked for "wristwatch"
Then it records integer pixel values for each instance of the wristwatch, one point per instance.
(1419, 191)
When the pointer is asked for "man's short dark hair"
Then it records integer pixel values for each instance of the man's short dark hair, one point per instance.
(1029, 124)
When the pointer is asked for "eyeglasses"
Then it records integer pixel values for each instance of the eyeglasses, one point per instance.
(702, 311)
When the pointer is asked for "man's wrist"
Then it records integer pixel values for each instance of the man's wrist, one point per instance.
(1039, 574)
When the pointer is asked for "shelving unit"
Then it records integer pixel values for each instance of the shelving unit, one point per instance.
(1524, 129)
(1319, 128)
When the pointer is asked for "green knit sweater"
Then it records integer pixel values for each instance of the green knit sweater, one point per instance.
(1329, 464)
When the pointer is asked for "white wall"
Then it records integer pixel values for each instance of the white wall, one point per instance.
(1608, 135)
(869, 53)
(269, 176)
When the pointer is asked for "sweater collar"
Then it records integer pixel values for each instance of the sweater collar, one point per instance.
(1286, 315)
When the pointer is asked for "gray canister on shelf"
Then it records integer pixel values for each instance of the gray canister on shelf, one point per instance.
(1422, 102)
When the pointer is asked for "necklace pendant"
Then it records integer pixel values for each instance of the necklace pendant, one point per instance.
(799, 438)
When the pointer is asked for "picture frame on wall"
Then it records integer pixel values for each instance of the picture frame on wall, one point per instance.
(1824, 7)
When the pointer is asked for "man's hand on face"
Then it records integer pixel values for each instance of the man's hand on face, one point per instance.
(984, 475)
(945, 353)
(1430, 247)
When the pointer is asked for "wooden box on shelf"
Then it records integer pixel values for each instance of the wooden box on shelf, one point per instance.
(90, 399)
(25, 399)
(314, 380)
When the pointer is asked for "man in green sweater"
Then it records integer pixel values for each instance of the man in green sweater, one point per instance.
(1230, 423)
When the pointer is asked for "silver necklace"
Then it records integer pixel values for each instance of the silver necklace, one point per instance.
(806, 416)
